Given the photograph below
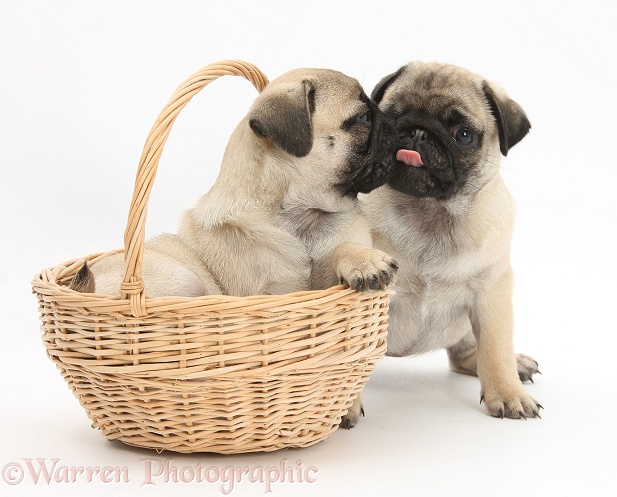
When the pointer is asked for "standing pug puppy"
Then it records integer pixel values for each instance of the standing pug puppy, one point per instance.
(285, 199)
(446, 216)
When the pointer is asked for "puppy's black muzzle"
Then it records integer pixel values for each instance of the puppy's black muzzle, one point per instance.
(374, 167)
(439, 175)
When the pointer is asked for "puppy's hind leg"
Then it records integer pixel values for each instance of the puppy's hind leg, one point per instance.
(462, 355)
(353, 414)
(462, 358)
(527, 366)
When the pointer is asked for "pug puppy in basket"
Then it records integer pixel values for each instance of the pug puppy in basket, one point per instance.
(446, 216)
(282, 215)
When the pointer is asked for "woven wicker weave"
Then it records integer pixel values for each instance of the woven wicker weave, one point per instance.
(215, 373)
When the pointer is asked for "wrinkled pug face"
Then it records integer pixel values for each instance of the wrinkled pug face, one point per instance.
(452, 127)
(337, 137)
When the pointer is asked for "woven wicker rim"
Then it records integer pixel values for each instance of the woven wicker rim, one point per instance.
(53, 281)
(132, 286)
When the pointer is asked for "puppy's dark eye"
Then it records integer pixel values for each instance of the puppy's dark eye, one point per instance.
(366, 117)
(463, 135)
(359, 119)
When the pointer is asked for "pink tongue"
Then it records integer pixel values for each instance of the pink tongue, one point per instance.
(409, 157)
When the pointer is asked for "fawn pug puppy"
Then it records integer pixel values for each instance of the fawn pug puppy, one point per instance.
(284, 205)
(446, 216)
(282, 215)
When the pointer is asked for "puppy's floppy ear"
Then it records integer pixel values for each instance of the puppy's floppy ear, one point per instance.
(511, 120)
(384, 84)
(285, 117)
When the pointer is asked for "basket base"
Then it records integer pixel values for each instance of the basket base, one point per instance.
(226, 417)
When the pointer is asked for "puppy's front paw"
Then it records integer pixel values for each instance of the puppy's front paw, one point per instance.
(353, 415)
(514, 404)
(366, 269)
(527, 367)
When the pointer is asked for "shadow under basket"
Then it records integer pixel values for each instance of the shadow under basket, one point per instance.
(214, 373)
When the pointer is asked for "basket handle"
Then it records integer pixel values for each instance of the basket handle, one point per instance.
(132, 286)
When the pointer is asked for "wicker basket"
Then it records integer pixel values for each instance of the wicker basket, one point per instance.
(214, 373)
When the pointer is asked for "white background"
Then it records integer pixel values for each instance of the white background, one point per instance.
(81, 82)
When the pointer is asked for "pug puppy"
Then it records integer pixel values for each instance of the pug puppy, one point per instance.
(446, 216)
(285, 199)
